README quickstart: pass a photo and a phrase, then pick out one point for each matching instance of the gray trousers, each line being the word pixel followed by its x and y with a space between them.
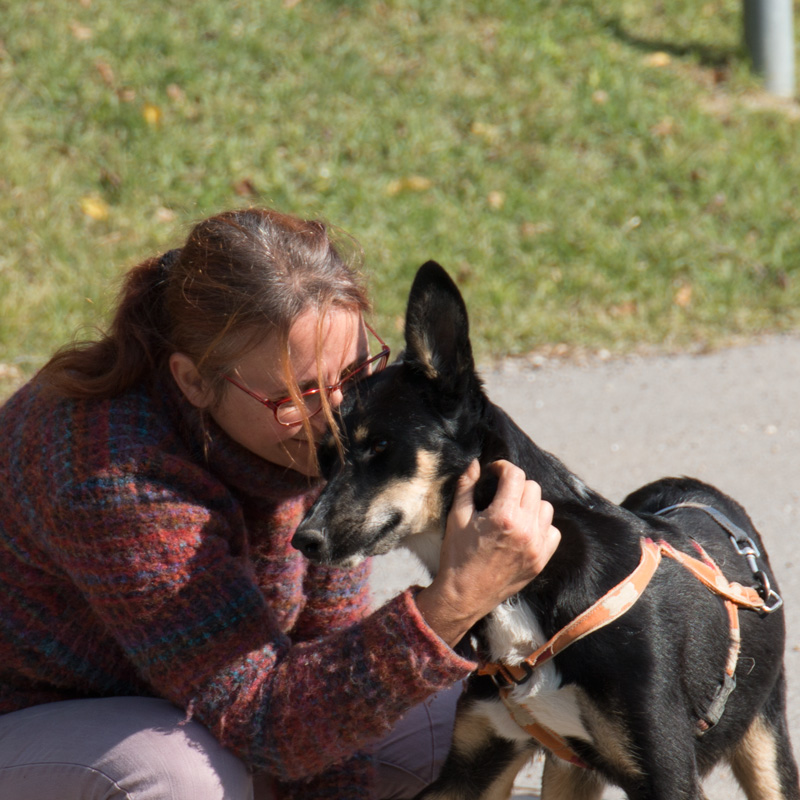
pixel 136 748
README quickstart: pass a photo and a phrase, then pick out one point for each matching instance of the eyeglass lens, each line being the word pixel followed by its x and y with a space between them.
pixel 289 413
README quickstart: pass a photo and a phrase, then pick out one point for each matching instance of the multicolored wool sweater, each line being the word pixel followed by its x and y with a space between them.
pixel 132 563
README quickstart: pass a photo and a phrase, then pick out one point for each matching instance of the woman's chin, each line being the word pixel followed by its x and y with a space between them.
pixel 296 454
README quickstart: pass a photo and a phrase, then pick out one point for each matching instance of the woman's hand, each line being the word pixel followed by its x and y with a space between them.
pixel 488 556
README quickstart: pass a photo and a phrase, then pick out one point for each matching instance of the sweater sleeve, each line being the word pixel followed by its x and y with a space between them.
pixel 321 617
pixel 164 576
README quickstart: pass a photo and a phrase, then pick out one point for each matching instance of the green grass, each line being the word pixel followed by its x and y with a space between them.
pixel 604 175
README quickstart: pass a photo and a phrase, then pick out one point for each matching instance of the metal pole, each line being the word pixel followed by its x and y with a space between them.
pixel 769 36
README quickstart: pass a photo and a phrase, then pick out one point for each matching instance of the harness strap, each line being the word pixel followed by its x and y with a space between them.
pixel 609 607
pixel 707 572
pixel 744 546
pixel 548 738
pixel 614 604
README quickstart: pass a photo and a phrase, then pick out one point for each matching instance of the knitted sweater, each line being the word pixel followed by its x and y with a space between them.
pixel 135 562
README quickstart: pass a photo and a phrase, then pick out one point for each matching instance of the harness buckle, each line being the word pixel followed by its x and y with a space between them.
pixel 768 594
pixel 508 679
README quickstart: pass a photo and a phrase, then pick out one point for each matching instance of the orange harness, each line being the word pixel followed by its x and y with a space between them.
pixel 619 601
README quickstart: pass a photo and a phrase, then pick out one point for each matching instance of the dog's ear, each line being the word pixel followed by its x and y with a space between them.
pixel 437 330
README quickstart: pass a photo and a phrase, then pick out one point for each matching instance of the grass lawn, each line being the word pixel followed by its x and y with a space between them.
pixel 595 174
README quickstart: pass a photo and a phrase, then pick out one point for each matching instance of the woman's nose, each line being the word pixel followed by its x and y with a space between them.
pixel 319 422
pixel 336 397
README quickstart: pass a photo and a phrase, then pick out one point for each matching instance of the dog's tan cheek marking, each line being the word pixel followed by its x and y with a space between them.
pixel 609 736
pixel 754 763
pixel 418 497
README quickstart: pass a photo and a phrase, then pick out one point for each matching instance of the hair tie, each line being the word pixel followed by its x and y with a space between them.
pixel 167 261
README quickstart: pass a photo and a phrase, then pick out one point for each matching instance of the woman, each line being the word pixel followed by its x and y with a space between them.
pixel 159 637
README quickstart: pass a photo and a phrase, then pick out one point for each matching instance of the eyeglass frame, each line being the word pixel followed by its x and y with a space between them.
pixel 274 405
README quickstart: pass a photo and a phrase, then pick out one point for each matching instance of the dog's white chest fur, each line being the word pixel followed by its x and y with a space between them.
pixel 513 633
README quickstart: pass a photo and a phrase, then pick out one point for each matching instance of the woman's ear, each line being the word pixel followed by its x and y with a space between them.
pixel 191 382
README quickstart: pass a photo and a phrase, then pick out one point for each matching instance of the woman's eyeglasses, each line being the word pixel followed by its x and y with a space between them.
pixel 288 412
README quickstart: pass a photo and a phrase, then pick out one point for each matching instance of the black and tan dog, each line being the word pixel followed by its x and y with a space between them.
pixel 652 698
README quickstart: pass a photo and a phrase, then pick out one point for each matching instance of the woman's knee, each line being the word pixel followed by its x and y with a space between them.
pixel 412 756
pixel 127 747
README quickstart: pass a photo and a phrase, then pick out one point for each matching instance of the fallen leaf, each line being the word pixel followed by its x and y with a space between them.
pixel 683 297
pixel 174 92
pixel 622 310
pixel 165 214
pixel 80 32
pixel 417 183
pixel 10 372
pixel 496 200
pixel 112 238
pixel 531 229
pixel 106 73
pixel 244 187
pixel 413 183
pixel 491 133
pixel 631 224
pixel 152 114
pixel 664 128
pixel 94 207
pixel 658 59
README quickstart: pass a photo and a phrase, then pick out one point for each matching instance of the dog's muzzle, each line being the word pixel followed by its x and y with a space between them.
pixel 312 543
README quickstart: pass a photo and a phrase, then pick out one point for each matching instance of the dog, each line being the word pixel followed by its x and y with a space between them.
pixel 648 700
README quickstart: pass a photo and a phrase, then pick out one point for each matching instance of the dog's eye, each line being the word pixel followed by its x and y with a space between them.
pixel 379 446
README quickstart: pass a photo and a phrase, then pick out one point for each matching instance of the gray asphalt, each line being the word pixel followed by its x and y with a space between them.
pixel 731 418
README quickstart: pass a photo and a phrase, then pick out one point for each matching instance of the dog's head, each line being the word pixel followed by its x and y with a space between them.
pixel 408 433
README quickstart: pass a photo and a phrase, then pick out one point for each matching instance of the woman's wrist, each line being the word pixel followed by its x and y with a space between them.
pixel 444 616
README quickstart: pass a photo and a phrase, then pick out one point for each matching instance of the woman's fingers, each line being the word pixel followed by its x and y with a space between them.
pixel 463 501
pixel 488 555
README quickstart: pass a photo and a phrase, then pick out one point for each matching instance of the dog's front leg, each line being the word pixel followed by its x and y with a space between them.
pixel 563 781
pixel 483 761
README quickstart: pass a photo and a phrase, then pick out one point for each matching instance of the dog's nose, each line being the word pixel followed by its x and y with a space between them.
pixel 310 542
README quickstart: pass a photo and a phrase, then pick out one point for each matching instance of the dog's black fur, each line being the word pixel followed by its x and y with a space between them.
pixel 634 689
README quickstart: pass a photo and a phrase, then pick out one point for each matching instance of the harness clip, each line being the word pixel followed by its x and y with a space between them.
pixel 768 593
pixel 745 546
pixel 508 679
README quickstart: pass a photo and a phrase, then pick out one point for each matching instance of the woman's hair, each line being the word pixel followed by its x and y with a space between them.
pixel 241 276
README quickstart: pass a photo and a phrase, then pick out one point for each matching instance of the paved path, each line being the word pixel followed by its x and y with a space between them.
pixel 731 418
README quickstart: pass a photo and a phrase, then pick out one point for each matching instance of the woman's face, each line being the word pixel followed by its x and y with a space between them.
pixel 252 424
